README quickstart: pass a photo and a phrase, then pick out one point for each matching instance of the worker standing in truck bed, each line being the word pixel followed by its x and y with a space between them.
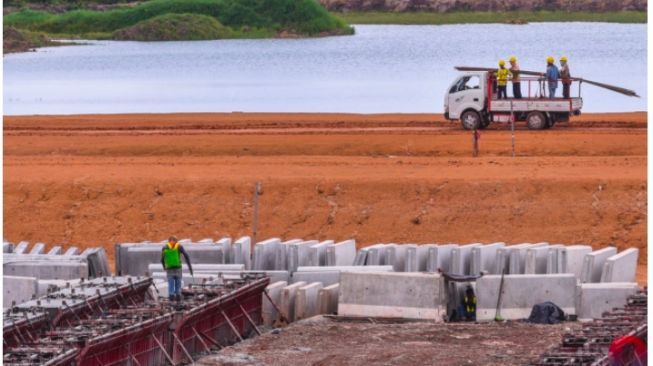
pixel 552 76
pixel 502 79
pixel 516 81
pixel 565 76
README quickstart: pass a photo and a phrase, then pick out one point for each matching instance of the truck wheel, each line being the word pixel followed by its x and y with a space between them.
pixel 536 121
pixel 470 120
pixel 484 123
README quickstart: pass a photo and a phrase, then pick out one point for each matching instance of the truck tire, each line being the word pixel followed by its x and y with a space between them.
pixel 536 121
pixel 484 123
pixel 470 120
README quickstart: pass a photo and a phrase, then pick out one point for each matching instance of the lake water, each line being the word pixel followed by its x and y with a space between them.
pixel 381 69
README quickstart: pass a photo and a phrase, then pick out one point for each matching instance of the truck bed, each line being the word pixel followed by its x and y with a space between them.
pixel 536 104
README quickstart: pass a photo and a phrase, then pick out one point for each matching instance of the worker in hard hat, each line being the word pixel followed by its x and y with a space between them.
pixel 552 76
pixel 565 76
pixel 516 81
pixel 502 79
pixel 171 261
pixel 469 304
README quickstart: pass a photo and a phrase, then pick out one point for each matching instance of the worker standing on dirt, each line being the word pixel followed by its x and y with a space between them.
pixel 469 304
pixel 171 261
pixel 516 81
pixel 552 76
pixel 565 76
pixel 502 79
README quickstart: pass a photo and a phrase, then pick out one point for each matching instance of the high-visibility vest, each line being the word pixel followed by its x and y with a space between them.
pixel 502 77
pixel 470 304
pixel 171 256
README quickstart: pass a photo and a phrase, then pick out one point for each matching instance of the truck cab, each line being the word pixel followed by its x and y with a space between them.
pixel 472 100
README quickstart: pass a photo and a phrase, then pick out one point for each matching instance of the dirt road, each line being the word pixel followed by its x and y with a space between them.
pixel 98 180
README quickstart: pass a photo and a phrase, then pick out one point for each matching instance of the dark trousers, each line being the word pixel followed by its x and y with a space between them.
pixel 565 90
pixel 502 91
pixel 516 90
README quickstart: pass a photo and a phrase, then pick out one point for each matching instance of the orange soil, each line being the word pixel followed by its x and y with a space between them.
pixel 103 179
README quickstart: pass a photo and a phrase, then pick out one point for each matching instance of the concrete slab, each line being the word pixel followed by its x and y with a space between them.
pixel 483 258
pixel 317 253
pixel 597 298
pixel 285 259
pixel 287 303
pixel 536 260
pixel 621 267
pixel 56 250
pixel 414 295
pixel 269 312
pixel 18 289
pixel 593 264
pixel 243 254
pixel 306 302
pixel 461 259
pixel 38 248
pixel 299 254
pixel 522 292
pixel 575 257
pixel 341 254
pixel 134 259
pixel 265 254
pixel 346 269
pixel 325 277
pixel 327 299
pixel 50 270
pixel 227 250
pixel 199 267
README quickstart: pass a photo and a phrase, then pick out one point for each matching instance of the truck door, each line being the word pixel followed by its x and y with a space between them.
pixel 464 94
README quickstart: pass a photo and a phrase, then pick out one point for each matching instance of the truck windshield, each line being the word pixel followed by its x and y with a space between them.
pixel 465 83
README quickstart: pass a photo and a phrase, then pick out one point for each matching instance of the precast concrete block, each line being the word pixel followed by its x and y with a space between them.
pixel 98 263
pixel 361 257
pixel 325 277
pixel 575 258
pixel 483 258
pixel 199 267
pixel 18 289
pixel 243 255
pixel 341 254
pixel 536 260
pixel 21 248
pixel 593 264
pixel 597 298
pixel 423 256
pixel 287 303
pixel 556 259
pixel 517 258
pixel 135 258
pixel 7 247
pixel 71 251
pixel 317 253
pixel 395 295
pixel 346 269
pixel 327 299
pixel 227 251
pixel 521 292
pixel 461 259
pixel 395 256
pixel 38 248
pixel 56 250
pixel 257 259
pixel 375 255
pixel 285 258
pixel 267 254
pixel 300 253
pixel 306 301
pixel 269 311
pixel 621 267
pixel 65 269
pixel 439 257
pixel 410 260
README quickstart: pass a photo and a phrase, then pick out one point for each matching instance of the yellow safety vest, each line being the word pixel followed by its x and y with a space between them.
pixel 502 76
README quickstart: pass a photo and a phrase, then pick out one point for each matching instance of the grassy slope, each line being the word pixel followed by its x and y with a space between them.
pixel 305 17
pixel 490 17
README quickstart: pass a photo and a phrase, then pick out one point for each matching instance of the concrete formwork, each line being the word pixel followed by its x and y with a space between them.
pixel 327 299
pixel 317 253
pixel 575 257
pixel 18 289
pixel 269 312
pixel 341 254
pixel 484 258
pixel 522 292
pixel 287 302
pixel 593 264
pixel 413 295
pixel 596 298
pixel 621 267
pixel 306 301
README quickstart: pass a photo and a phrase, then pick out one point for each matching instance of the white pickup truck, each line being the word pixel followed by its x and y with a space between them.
pixel 472 100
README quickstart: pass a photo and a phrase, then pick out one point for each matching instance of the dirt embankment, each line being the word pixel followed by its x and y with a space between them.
pixel 443 6
pixel 99 180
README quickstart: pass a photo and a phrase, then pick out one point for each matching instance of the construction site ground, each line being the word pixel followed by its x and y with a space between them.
pixel 103 179
pixel 322 341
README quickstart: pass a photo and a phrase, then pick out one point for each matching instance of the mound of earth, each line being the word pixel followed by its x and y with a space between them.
pixel 17 40
pixel 174 27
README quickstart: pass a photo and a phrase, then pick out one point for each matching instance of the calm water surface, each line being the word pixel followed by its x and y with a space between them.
pixel 381 69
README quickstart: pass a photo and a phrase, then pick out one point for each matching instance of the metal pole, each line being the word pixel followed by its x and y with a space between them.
pixel 512 126
pixel 475 143
pixel 257 191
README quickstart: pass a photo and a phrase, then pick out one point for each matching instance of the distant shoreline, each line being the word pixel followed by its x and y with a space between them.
pixel 481 17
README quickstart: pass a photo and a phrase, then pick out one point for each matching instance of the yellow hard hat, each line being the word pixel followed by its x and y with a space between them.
pixel 513 59
pixel 501 62
pixel 549 60
pixel 563 58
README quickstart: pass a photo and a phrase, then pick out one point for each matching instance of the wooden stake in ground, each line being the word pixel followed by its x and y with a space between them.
pixel 476 135
pixel 257 191
pixel 512 127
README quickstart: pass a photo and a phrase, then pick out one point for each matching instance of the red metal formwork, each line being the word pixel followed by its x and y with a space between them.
pixel 219 322
pixel 138 345
pixel 23 330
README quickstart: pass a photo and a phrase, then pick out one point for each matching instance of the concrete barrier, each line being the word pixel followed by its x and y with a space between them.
pixel 7 247
pixel 346 269
pixel 575 257
pixel 597 298
pixel 417 258
pixel 306 302
pixel 536 260
pixel 48 270
pixel 242 251
pixel 439 257
pixel 18 289
pixel 621 267
pixel 522 292
pixel 38 248
pixel 341 254
pixel 56 250
pixel 299 254
pixel 200 267
pixel 269 312
pixel 317 253
pixel 327 299
pixel 287 303
pixel 400 295
pixel 517 262
pixel 265 254
pixel 375 255
pixel 395 255
pixel 21 248
pixel 461 259
pixel 134 259
pixel 483 258
pixel 593 264
pixel 71 251
pixel 325 277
